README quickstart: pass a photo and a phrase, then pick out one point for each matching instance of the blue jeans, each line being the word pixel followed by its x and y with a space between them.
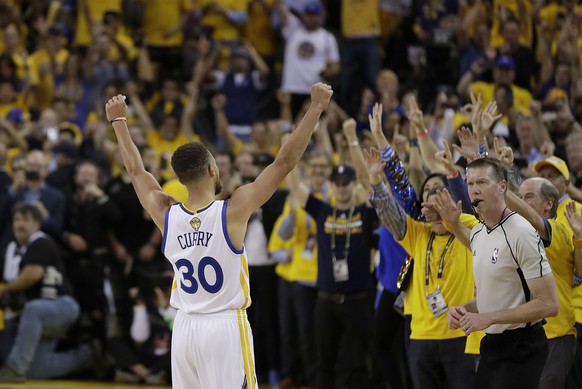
pixel 35 337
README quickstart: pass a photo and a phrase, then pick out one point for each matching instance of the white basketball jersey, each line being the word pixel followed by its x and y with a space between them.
pixel 211 275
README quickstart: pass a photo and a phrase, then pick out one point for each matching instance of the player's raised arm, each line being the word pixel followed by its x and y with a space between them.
pixel 150 194
pixel 248 198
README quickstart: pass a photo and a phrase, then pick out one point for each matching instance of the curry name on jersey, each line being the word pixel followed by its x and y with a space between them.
pixel 211 275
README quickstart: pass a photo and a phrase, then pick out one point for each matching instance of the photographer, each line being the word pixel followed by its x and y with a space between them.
pixel 34 275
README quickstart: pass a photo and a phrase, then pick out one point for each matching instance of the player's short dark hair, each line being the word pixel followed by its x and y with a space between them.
pixel 27 208
pixel 190 161
pixel 499 170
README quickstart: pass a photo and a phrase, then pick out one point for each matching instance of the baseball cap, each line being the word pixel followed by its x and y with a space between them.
pixel 505 61
pixel 313 7
pixel 343 173
pixel 16 116
pixel 555 162
pixel 263 159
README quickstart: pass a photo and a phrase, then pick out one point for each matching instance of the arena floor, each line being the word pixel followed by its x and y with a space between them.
pixel 74 385
pixel 79 385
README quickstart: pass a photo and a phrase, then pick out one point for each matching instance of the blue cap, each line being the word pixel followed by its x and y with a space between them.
pixel 505 61
pixel 312 8
pixel 15 116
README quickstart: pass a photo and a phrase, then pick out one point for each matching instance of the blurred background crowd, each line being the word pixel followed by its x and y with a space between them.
pixel 236 75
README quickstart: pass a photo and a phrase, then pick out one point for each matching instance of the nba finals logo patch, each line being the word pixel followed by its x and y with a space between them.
pixel 195 223
pixel 495 255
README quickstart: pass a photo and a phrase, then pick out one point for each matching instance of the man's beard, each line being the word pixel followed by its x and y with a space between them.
pixel 218 188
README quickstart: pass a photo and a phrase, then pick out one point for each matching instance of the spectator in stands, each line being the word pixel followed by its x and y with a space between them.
pixel 503 75
pixel 241 86
pixel 311 52
pixel 526 65
pixel 66 154
pixel 360 59
pixel 31 186
pixel 89 214
pixel 163 23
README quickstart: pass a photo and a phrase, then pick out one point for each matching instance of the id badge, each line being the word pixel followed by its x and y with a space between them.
pixel 340 270
pixel 437 303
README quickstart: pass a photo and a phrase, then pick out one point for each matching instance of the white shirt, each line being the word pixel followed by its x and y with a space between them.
pixel 306 55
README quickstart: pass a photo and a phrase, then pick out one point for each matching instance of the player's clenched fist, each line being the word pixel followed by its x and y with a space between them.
pixel 116 107
pixel 320 95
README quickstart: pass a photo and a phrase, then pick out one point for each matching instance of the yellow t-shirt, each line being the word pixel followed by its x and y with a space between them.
pixel 561 257
pixel 224 29
pixel 303 264
pixel 162 146
pixel 276 243
pixel 97 9
pixel 259 31
pixel 525 35
pixel 161 16
pixel 175 189
pixel 521 97
pixel 576 291
pixel 360 18
pixel 457 284
pixel 40 62
pixel 127 43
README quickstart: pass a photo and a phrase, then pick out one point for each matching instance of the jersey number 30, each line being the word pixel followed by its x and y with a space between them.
pixel 191 284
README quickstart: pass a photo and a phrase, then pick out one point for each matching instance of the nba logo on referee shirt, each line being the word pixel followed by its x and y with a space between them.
pixel 495 255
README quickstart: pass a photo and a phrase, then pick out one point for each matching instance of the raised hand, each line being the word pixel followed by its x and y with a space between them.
pixel 446 207
pixel 374 164
pixel 399 141
pixel 547 148
pixel 375 120
pixel 475 111
pixel 320 95
pixel 349 130
pixel 415 115
pixel 116 107
pixel 469 145
pixel 504 153
pixel 574 218
pixel 445 158
pixel 489 115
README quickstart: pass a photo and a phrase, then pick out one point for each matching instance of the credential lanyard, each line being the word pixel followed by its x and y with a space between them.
pixel 441 262
pixel 348 234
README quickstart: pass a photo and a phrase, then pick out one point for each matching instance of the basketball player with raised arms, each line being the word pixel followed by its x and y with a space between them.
pixel 203 239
